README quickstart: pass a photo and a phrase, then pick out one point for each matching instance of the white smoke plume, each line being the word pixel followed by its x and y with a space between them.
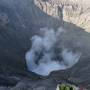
pixel 44 57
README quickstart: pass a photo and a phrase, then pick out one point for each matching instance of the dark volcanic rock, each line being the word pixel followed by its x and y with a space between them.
pixel 19 20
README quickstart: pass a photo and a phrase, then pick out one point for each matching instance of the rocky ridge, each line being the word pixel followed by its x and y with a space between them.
pixel 74 11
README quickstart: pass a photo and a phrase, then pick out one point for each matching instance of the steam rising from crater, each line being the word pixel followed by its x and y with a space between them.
pixel 46 54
